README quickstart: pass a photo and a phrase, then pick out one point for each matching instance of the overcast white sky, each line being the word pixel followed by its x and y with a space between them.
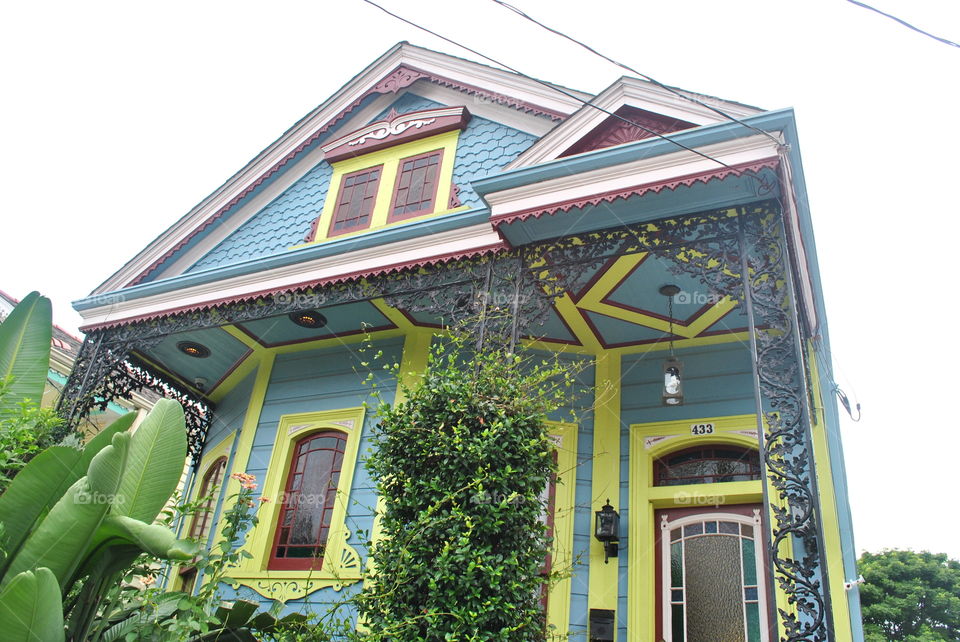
pixel 117 117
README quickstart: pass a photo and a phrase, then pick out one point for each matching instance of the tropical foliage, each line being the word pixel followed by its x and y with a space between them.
pixel 910 596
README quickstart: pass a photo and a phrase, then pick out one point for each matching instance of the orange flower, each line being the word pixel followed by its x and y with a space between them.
pixel 264 500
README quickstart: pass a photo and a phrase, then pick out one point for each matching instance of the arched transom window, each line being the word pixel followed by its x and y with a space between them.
pixel 707 465
pixel 308 501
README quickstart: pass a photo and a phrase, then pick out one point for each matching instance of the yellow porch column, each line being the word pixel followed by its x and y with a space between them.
pixel 604 578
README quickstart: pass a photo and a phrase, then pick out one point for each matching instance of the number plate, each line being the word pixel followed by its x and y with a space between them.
pixel 701 429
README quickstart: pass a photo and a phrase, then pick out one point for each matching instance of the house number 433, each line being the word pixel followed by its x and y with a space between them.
pixel 701 429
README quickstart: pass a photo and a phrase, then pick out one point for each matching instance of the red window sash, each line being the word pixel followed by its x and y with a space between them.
pixel 367 201
pixel 427 205
pixel 302 450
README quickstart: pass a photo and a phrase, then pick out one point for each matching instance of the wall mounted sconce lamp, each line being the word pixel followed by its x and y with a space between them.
pixel 608 531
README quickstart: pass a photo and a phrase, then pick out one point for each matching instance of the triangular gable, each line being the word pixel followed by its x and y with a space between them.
pixel 655 108
pixel 485 146
pixel 629 124
pixel 526 104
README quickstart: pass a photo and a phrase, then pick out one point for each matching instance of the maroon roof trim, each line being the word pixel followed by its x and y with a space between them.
pixel 352 276
pixel 638 190
pixel 400 78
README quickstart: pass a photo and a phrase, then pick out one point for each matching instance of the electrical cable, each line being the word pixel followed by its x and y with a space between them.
pixel 634 71
pixel 585 103
pixel 904 23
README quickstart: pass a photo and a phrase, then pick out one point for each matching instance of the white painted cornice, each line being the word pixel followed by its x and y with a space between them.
pixel 457 241
pixel 626 175
pixel 630 92
pixel 489 79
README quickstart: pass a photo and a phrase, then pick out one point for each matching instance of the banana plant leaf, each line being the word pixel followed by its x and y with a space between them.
pixel 158 451
pixel 25 352
pixel 43 482
pixel 30 609
pixel 63 537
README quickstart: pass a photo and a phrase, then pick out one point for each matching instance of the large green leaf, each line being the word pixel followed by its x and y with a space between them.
pixel 158 452
pixel 25 351
pixel 63 537
pixel 43 482
pixel 30 608
pixel 151 538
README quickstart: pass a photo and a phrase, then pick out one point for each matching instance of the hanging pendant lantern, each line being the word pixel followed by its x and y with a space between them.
pixel 672 394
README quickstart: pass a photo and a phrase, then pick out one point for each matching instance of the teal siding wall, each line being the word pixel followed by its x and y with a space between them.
pixel 315 380
pixel 717 382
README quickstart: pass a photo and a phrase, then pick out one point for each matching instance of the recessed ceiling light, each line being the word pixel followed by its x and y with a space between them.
pixel 193 349
pixel 308 319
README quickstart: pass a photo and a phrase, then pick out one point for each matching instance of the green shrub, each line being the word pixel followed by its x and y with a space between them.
pixel 461 466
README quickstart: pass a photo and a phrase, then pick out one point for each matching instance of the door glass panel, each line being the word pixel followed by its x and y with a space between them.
pixel 714 588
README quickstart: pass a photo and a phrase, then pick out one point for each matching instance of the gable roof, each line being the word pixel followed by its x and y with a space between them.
pixel 636 94
pixel 401 66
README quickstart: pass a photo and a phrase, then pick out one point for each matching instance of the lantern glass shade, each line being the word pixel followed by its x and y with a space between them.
pixel 608 524
pixel 309 319
pixel 672 382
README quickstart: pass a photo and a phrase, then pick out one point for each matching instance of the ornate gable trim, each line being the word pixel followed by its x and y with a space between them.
pixel 400 78
pixel 614 131
pixel 394 130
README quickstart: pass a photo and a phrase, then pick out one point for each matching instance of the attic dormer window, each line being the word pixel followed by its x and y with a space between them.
pixel 391 171
pixel 358 195
pixel 416 188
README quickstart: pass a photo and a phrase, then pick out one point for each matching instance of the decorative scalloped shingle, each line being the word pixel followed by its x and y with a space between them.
pixel 484 148
pixel 406 104
pixel 281 224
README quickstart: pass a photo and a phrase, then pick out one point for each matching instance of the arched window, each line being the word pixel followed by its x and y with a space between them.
pixel 203 518
pixel 707 465
pixel 308 501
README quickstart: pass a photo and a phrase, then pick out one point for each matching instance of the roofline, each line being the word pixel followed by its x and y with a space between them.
pixel 323 116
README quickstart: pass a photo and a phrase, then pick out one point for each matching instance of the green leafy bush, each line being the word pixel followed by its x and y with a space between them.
pixel 461 466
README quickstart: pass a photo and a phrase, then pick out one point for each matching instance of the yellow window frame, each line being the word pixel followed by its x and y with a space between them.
pixel 341 562
pixel 390 159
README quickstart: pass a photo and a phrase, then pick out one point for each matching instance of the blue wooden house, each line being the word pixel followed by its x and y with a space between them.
pixel 661 239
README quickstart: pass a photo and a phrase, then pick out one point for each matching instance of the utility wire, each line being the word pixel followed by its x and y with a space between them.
pixel 904 23
pixel 546 84
pixel 638 73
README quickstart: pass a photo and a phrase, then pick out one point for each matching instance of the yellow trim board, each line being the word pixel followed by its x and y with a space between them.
pixel 390 159
pixel 648 442
pixel 341 562
pixel 564 508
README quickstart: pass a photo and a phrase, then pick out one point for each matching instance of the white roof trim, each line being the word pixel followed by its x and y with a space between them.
pixel 634 93
pixel 627 175
pixel 463 240
pixel 495 81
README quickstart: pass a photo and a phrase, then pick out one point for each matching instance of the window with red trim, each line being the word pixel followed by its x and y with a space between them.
pixel 203 518
pixel 415 191
pixel 707 465
pixel 355 200
pixel 307 507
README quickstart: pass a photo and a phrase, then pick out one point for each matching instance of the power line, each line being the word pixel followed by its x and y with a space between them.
pixel 634 71
pixel 904 23
pixel 585 103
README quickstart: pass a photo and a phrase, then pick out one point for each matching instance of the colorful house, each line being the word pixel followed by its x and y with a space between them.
pixel 659 237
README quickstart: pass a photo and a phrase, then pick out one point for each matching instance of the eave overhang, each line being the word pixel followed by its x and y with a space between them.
pixel 446 238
